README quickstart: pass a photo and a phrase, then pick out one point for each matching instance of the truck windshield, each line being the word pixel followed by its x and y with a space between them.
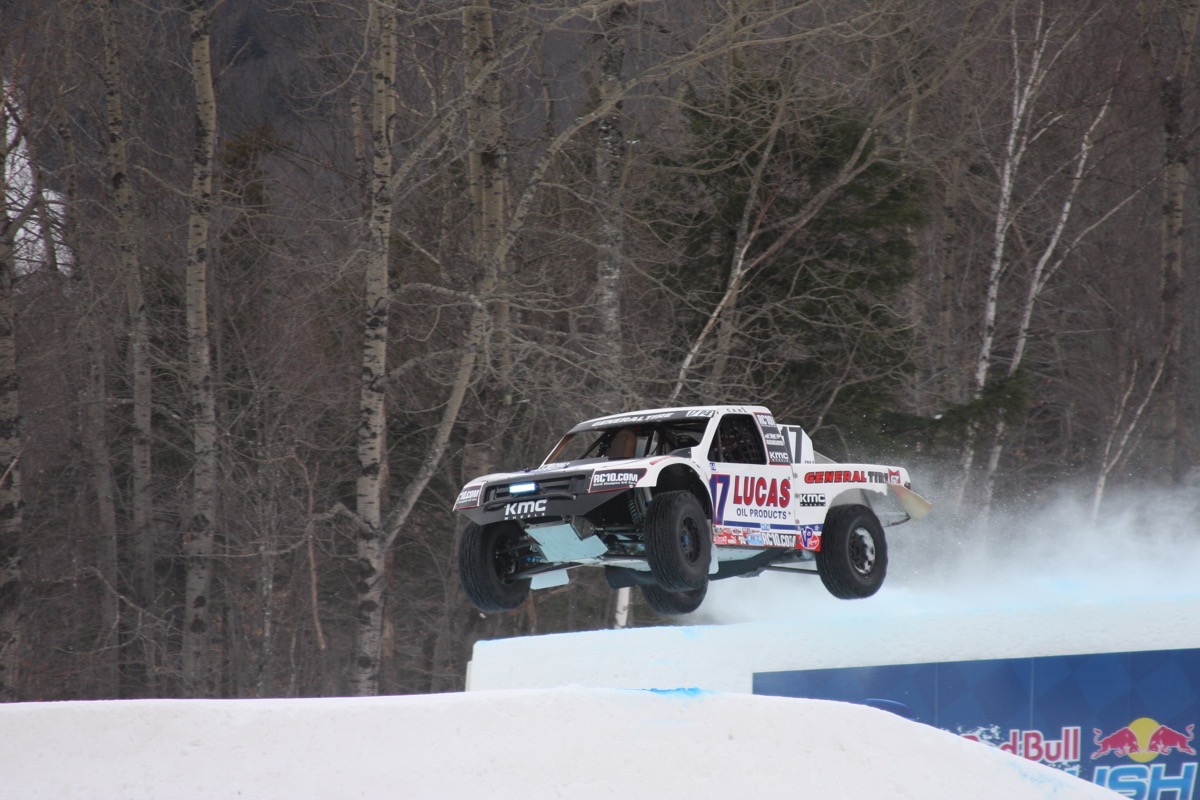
pixel 628 441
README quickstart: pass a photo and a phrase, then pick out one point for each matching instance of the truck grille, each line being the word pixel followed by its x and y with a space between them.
pixel 546 485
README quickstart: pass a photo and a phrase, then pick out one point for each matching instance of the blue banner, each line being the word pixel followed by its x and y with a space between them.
pixel 1123 720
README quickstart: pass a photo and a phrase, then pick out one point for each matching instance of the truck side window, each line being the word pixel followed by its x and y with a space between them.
pixel 737 441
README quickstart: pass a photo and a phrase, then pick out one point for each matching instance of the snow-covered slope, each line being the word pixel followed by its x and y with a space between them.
pixel 569 743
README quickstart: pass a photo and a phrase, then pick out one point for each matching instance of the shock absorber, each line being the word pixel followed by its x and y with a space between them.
pixel 637 507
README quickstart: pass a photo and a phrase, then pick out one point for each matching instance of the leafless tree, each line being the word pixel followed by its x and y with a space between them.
pixel 199 538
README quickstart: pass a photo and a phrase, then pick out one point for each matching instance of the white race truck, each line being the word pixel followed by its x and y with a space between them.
pixel 669 499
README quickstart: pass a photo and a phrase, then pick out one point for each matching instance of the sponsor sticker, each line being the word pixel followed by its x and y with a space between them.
pixel 609 480
pixel 468 497
pixel 807 537
pixel 853 476
pixel 524 508
pixel 759 491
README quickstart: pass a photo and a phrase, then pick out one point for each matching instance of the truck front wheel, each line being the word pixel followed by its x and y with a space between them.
pixel 489 557
pixel 678 541
pixel 852 560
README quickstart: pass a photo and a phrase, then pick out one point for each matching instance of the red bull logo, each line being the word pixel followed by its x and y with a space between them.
pixel 1035 745
pixel 1143 741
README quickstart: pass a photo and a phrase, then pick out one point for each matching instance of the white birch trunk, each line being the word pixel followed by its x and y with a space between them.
pixel 1043 270
pixel 621 609
pixel 371 547
pixel 199 535
pixel 1124 426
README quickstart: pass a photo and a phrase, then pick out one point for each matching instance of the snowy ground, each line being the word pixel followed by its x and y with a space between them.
pixel 1021 589
pixel 569 743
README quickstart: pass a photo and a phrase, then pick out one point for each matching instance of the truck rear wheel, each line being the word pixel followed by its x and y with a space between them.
pixel 678 541
pixel 671 604
pixel 489 557
pixel 852 561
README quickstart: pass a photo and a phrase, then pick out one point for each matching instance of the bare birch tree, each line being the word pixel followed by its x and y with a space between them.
pixel 199 536
pixel 371 541
pixel 1033 58
pixel 1127 418
pixel 1046 263
pixel 611 163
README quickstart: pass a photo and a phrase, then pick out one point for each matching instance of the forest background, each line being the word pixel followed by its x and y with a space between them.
pixel 277 276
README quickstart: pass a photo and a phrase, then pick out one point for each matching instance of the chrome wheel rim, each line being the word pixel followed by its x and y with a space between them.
pixel 862 551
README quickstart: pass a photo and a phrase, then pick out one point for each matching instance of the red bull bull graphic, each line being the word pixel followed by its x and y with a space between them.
pixel 1070 712
pixel 1164 740
pixel 1142 741
pixel 1121 742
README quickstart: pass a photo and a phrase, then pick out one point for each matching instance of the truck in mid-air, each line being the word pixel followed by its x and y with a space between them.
pixel 670 499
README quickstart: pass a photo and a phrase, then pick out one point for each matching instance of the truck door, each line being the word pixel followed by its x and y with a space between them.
pixel 751 495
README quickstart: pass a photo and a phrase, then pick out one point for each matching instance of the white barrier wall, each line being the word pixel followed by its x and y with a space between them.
pixel 830 634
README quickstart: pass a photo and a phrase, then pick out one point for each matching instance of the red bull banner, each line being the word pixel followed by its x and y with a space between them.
pixel 1126 721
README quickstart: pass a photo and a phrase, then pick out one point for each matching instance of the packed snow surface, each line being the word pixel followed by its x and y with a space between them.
pixel 553 716
pixel 570 743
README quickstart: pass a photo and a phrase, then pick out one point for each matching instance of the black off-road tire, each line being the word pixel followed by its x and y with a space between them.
pixel 678 542
pixel 672 604
pixel 852 561
pixel 488 557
